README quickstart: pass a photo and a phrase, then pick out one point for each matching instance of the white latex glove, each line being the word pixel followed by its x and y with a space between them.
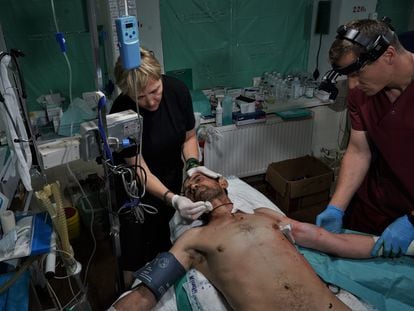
pixel 203 170
pixel 189 209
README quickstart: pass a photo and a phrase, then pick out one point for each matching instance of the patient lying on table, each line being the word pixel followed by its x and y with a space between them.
pixel 246 257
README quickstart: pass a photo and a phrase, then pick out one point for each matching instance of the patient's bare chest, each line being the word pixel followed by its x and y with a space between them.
pixel 242 232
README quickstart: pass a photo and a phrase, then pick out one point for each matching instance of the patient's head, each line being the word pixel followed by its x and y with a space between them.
pixel 200 187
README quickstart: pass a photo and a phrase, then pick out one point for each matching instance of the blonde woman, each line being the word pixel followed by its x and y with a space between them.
pixel 168 136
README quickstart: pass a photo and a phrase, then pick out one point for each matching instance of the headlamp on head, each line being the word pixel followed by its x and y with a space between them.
pixel 360 62
pixel 328 84
pixel 373 48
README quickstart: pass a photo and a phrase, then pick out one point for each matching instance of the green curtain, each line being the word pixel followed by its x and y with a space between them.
pixel 29 26
pixel 226 43
pixel 399 11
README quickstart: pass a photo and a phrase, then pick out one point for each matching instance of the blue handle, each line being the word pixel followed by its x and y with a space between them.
pixel 61 40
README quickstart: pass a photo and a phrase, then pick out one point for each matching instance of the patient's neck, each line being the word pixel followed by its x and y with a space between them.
pixel 221 206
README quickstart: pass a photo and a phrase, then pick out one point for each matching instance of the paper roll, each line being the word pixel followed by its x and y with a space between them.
pixel 7 221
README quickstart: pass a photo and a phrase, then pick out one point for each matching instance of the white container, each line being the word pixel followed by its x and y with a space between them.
pixel 296 91
pixel 244 107
pixel 219 115
pixel 309 91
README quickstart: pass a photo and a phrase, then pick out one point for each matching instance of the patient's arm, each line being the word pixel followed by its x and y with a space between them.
pixel 311 236
pixel 342 245
pixel 144 297
pixel 140 299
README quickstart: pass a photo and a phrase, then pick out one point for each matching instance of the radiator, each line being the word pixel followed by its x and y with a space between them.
pixel 247 150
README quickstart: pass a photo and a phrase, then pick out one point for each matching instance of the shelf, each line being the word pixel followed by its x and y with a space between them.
pixel 301 102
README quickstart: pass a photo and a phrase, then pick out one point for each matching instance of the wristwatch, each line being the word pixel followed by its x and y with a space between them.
pixel 410 216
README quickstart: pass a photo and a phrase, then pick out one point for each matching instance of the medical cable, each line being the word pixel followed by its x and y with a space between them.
pixel 70 302
pixel 101 128
pixel 2 100
pixel 135 179
pixel 126 7
pixel 91 222
pixel 62 43
pixel 139 146
pixel 18 139
pixel 131 187
pixel 138 209
pixel 215 207
pixel 53 296
pixel 61 40
pixel 316 72
pixel 129 178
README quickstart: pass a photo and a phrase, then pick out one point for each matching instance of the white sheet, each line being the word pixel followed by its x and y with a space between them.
pixel 204 297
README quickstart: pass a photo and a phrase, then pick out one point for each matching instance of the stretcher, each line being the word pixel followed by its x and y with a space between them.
pixel 368 284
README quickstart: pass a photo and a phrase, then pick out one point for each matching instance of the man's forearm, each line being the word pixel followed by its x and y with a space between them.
pixel 353 170
pixel 341 245
pixel 139 299
pixel 190 146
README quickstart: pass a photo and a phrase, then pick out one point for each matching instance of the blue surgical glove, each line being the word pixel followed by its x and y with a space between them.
pixel 395 239
pixel 331 219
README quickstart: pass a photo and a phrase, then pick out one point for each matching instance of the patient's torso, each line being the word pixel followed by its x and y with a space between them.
pixel 256 268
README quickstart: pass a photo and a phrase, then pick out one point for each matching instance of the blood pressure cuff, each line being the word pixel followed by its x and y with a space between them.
pixel 159 274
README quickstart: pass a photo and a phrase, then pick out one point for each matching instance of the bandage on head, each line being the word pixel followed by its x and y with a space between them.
pixel 159 274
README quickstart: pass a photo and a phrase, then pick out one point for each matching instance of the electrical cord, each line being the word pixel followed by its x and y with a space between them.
pixel 91 222
pixel 54 296
pixel 130 182
pixel 2 100
pixel 134 178
pixel 17 81
pixel 133 186
pixel 316 72
pixel 101 127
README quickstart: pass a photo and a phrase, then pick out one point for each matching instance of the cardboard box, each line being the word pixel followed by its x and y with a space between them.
pixel 299 184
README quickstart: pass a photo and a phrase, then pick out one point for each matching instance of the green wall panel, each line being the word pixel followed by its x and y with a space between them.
pixel 398 10
pixel 28 25
pixel 229 42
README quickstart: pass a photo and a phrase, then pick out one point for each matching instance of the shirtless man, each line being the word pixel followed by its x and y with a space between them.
pixel 247 258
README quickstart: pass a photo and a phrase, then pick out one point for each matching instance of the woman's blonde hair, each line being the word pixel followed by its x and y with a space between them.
pixel 135 80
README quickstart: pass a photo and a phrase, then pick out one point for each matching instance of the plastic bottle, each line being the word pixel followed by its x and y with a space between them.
pixel 227 107
pixel 213 103
pixel 296 88
pixel 219 115
pixel 283 89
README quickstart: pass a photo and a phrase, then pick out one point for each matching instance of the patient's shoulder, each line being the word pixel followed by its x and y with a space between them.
pixel 269 213
pixel 265 210
pixel 190 235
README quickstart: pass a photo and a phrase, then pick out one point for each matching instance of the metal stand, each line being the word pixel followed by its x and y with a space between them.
pixel 114 223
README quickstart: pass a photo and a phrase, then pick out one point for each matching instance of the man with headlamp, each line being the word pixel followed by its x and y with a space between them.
pixel 375 188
